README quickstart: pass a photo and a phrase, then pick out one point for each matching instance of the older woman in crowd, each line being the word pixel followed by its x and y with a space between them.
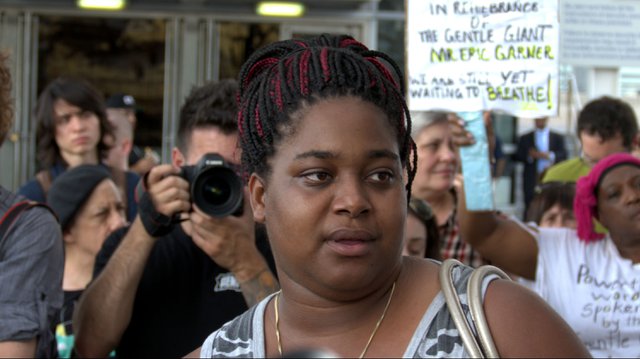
pixel 438 164
pixel 89 207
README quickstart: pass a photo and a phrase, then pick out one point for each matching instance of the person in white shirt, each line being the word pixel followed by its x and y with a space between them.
pixel 592 280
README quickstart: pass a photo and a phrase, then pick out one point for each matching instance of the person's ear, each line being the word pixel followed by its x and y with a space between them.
pixel 257 197
pixel 177 158
pixel 67 237
pixel 109 140
pixel 126 146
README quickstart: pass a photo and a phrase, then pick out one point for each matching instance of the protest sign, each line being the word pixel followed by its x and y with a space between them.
pixel 600 33
pixel 483 55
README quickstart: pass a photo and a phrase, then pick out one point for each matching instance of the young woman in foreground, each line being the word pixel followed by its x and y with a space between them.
pixel 325 138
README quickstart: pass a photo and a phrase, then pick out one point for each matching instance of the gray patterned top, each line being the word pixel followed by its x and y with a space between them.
pixel 31 268
pixel 435 336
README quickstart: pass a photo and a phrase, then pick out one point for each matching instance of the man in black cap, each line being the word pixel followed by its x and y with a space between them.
pixel 124 103
pixel 120 108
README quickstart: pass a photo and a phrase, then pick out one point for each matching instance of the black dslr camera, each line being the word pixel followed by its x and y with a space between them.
pixel 216 189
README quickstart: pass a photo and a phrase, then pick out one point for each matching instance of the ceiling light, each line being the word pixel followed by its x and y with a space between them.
pixel 102 4
pixel 288 9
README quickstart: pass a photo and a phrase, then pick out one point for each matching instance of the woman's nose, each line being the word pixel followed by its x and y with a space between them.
pixel 447 153
pixel 350 198
pixel 631 195
pixel 116 220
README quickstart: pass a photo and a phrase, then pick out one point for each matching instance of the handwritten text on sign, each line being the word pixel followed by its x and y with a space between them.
pixel 612 309
pixel 483 55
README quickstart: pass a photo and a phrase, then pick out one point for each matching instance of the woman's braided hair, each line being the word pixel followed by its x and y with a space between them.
pixel 281 78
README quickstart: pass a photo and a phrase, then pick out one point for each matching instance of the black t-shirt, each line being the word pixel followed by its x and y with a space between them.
pixel 63 328
pixel 183 296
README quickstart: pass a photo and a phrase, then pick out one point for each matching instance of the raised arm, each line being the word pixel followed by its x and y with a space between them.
pixel 105 308
pixel 503 241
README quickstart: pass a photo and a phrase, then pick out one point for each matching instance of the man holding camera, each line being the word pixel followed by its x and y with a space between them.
pixel 177 274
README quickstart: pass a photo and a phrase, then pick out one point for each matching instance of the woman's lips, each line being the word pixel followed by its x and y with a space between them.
pixel 81 140
pixel 444 172
pixel 350 243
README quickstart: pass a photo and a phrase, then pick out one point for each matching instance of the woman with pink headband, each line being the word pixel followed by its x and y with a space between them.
pixel 591 280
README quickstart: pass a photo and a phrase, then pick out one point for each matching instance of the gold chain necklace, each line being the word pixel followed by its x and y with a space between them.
pixel 373 333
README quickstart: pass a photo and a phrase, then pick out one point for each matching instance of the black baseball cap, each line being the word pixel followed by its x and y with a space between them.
pixel 121 100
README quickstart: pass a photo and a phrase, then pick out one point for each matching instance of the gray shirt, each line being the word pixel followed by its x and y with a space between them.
pixel 31 268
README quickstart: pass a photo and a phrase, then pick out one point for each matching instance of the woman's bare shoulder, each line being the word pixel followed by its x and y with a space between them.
pixel 524 325
pixel 421 269
pixel 420 277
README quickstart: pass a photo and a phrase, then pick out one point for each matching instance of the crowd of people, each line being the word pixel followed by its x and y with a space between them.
pixel 347 207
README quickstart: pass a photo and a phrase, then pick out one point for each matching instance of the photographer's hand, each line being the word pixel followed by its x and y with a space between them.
pixel 165 195
pixel 169 192
pixel 230 242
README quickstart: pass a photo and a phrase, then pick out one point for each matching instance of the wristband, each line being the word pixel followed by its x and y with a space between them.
pixel 155 223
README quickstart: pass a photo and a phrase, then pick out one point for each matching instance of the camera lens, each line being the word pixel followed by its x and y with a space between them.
pixel 215 191
pixel 218 191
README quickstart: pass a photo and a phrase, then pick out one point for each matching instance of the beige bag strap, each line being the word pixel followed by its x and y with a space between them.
pixel 474 296
pixel 484 346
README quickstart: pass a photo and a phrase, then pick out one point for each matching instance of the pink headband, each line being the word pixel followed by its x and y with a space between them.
pixel 585 201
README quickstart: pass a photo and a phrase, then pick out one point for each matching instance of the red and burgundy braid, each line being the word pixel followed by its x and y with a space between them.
pixel 278 79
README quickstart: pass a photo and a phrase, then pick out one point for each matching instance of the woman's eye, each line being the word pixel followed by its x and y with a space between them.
pixel 382 176
pixel 613 194
pixel 102 212
pixel 432 147
pixel 317 177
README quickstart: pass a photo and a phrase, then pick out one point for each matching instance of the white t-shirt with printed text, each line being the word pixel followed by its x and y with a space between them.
pixel 593 288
